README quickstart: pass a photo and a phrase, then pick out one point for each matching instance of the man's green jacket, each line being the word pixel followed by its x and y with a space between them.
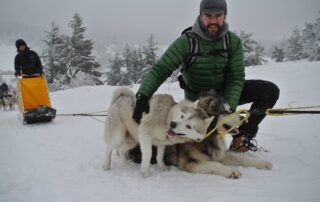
pixel 226 76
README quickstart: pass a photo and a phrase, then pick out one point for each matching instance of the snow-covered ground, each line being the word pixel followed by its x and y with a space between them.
pixel 62 160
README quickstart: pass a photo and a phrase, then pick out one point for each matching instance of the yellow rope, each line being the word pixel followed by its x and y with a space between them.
pixel 269 113
pixel 230 116
pixel 290 108
pixel 246 119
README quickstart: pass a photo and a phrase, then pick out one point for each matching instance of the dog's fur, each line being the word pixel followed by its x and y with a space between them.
pixel 211 155
pixel 167 123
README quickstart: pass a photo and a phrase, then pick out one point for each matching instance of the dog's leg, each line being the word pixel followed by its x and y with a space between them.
pixel 112 143
pixel 146 151
pixel 123 155
pixel 237 160
pixel 107 161
pixel 210 167
pixel 11 104
pixel 160 156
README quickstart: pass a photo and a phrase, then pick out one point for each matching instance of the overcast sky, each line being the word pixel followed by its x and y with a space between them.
pixel 135 20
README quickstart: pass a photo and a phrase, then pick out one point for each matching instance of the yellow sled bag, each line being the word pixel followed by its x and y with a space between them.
pixel 34 102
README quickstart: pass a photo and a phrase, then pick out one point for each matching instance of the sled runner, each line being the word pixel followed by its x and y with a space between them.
pixel 33 100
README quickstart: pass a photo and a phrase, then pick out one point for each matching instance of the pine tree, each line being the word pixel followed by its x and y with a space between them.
pixel 308 37
pixel 278 54
pixel 295 49
pixel 115 76
pixel 149 54
pixel 133 62
pixel 149 51
pixel 253 51
pixel 132 65
pixel 54 54
pixel 315 48
pixel 80 52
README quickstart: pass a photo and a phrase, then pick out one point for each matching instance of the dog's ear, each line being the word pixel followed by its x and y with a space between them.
pixel 205 102
pixel 195 104
pixel 202 113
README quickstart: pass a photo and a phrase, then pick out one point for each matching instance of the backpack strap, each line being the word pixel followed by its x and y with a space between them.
pixel 193 50
pixel 226 46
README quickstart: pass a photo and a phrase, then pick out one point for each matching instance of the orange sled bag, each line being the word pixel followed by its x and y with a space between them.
pixel 34 102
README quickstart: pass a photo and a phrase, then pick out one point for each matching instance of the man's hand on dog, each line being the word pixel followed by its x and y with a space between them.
pixel 141 105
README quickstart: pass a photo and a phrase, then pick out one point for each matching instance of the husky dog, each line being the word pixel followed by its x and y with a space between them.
pixel 211 155
pixel 167 123
pixel 7 101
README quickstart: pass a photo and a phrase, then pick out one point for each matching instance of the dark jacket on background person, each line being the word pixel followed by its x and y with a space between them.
pixel 4 89
pixel 27 62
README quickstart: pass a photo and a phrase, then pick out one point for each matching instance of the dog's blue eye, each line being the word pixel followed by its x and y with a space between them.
pixel 189 127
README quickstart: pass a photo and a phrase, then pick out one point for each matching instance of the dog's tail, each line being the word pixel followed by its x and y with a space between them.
pixel 121 91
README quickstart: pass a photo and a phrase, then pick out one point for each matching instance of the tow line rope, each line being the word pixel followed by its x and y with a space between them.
pixel 86 114
pixel 292 111
pixel 91 115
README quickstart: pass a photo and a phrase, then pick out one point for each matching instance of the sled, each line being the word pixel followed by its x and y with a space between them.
pixel 33 100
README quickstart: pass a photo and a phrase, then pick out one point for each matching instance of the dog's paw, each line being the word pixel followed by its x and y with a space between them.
pixel 145 172
pixel 264 165
pixel 164 167
pixel 235 174
pixel 106 167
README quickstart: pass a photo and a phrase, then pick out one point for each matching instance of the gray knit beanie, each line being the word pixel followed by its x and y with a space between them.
pixel 213 6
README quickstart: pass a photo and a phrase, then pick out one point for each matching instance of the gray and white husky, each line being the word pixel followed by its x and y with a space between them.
pixel 167 123
pixel 211 155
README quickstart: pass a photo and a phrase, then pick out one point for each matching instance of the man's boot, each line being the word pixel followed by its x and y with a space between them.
pixel 241 143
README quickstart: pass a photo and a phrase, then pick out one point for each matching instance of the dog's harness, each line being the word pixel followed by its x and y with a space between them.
pixel 218 124
pixel 269 112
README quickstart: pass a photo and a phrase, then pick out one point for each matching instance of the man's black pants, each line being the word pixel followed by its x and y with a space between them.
pixel 263 95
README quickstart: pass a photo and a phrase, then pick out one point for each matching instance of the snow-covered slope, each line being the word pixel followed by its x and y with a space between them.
pixel 62 160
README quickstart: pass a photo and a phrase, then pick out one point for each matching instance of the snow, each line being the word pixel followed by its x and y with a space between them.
pixel 62 160
pixel 7 54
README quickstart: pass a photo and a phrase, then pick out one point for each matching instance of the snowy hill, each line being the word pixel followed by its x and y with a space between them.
pixel 62 160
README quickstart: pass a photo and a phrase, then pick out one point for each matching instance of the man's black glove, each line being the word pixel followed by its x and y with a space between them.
pixel 141 105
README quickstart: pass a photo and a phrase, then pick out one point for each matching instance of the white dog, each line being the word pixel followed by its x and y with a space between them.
pixel 167 123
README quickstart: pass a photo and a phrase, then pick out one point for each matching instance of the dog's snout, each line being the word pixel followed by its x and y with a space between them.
pixel 173 124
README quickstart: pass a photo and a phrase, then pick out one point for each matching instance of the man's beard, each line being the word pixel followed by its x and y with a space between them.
pixel 213 29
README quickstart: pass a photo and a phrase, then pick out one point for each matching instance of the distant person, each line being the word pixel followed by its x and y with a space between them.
pixel 218 65
pixel 26 62
pixel 4 89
